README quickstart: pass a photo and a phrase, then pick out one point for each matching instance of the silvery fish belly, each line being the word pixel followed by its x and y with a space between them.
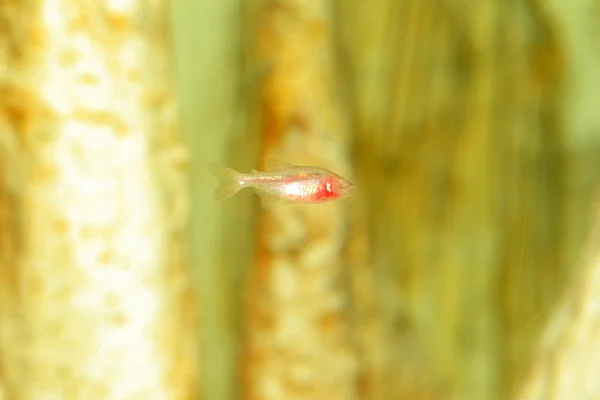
pixel 288 182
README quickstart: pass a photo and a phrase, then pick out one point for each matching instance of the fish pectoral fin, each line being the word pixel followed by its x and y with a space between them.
pixel 253 171
pixel 275 164
pixel 267 200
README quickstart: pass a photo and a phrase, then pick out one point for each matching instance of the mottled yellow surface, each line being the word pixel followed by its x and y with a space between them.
pixel 97 301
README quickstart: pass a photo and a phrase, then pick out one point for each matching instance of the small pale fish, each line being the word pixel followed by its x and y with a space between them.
pixel 283 182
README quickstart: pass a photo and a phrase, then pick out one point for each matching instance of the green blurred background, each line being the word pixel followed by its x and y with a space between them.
pixel 472 132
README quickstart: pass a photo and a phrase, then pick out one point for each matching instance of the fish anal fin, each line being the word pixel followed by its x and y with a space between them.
pixel 267 200
pixel 275 164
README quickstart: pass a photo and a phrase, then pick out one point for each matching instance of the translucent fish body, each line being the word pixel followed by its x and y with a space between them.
pixel 290 183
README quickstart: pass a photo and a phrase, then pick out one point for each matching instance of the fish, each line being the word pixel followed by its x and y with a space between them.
pixel 283 182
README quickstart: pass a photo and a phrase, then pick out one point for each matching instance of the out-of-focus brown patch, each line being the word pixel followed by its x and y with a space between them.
pixel 402 324
pixel 17 107
pixel 188 301
pixel 274 114
pixel 10 241
pixel 19 29
pixel 330 321
pixel 102 117
pixel 37 35
pixel 280 42
pixel 317 29
pixel 181 164
pixel 300 121
pixel 297 387
pixel 262 316
pixel 547 65
pixel 155 97
pixel 119 22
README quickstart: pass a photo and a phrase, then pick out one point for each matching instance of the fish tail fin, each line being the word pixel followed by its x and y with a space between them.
pixel 229 181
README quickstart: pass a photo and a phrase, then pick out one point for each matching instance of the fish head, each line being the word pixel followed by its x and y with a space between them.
pixel 341 187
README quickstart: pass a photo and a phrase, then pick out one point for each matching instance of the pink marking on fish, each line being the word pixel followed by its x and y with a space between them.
pixel 292 183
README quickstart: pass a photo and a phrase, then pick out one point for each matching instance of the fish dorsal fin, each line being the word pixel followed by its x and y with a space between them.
pixel 267 200
pixel 275 164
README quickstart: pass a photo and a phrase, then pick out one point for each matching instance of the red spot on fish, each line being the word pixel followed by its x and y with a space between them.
pixel 327 190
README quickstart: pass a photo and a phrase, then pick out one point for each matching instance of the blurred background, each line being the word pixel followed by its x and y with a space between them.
pixel 470 129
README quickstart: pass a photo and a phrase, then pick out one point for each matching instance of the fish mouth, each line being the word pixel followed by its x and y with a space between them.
pixel 348 187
